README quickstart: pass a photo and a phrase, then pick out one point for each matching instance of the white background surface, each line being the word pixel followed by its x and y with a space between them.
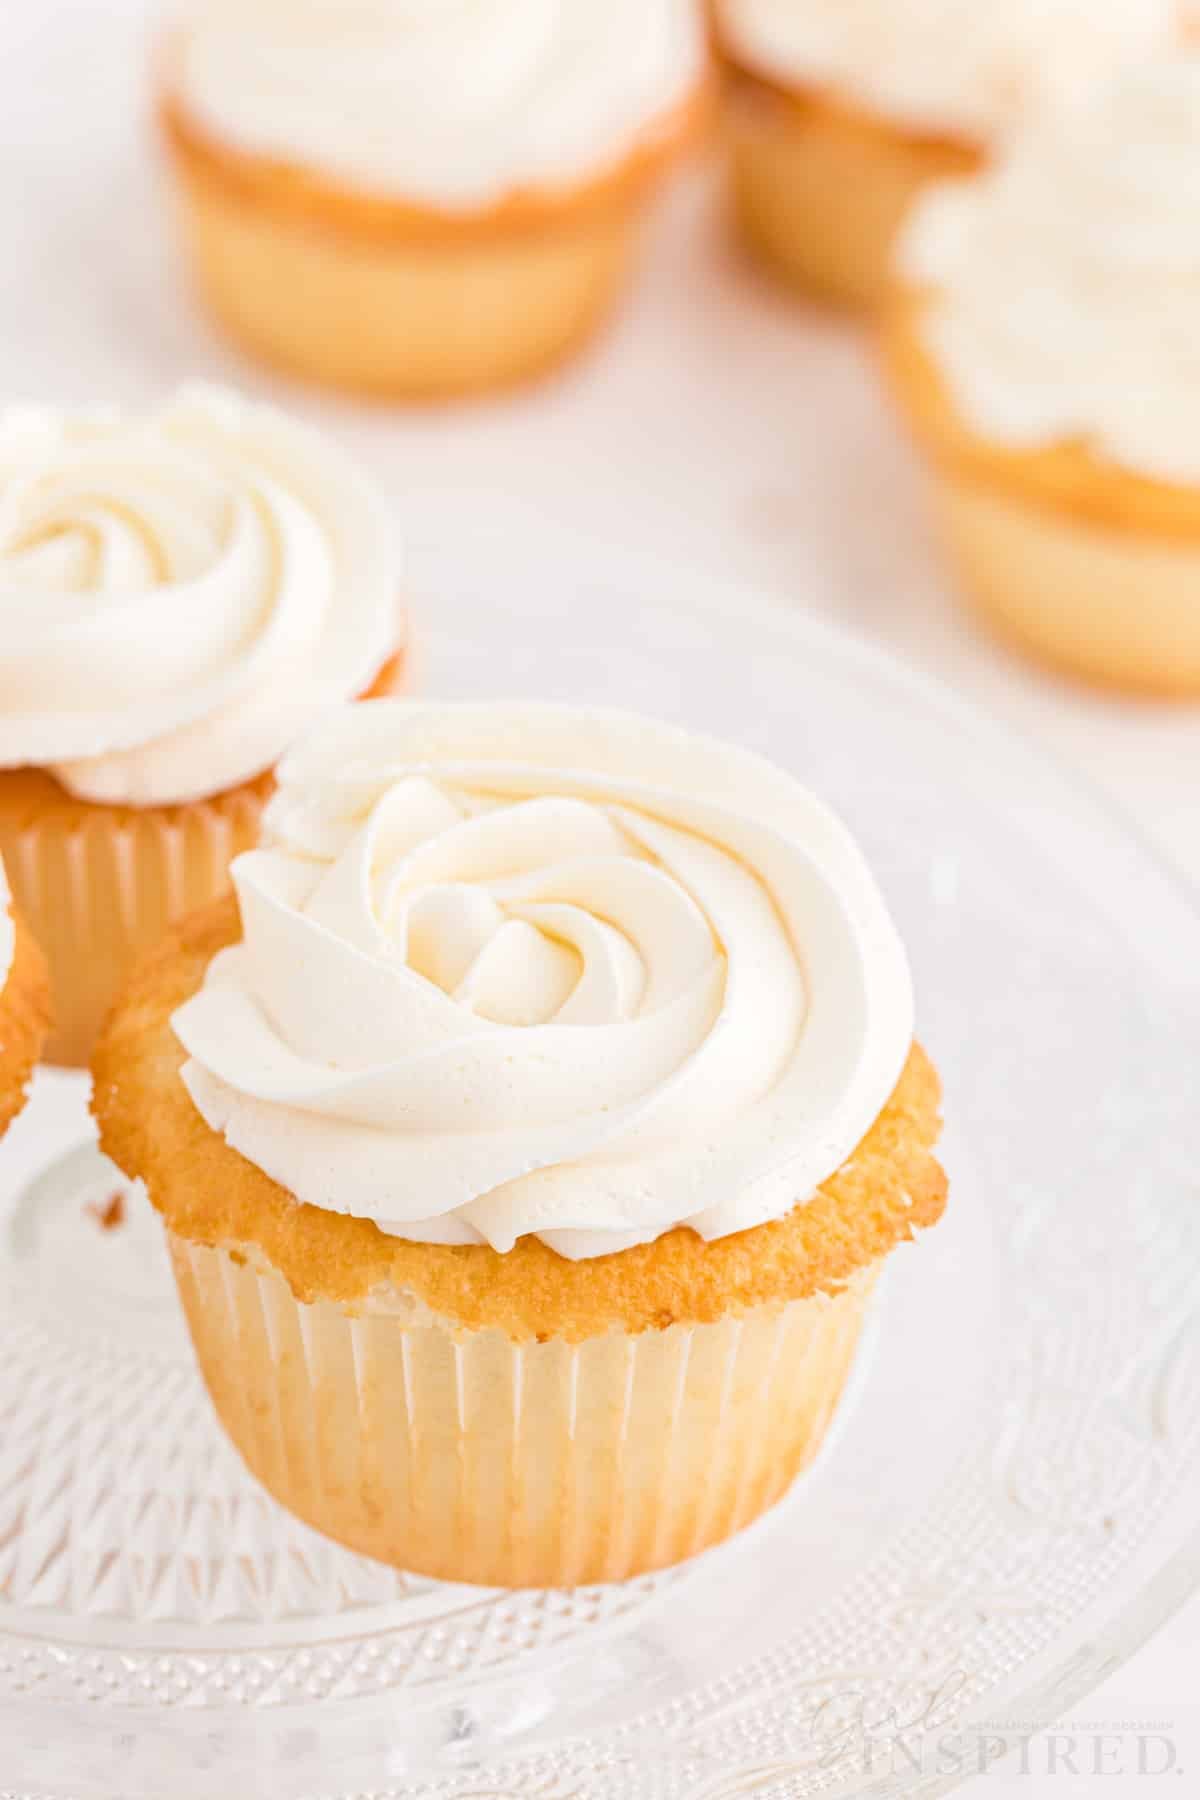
pixel 717 424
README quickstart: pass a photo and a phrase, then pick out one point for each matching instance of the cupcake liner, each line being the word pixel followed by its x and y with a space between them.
pixel 429 318
pixel 1115 607
pixel 469 1457
pixel 98 887
pixel 819 194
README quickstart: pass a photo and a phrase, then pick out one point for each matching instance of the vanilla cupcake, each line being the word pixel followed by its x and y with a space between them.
pixel 24 1008
pixel 187 590
pixel 1043 342
pixel 841 111
pixel 529 1146
pixel 428 198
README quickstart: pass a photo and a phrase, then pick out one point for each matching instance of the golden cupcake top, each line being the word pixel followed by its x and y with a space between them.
pixel 888 1191
pixel 24 1007
pixel 8 932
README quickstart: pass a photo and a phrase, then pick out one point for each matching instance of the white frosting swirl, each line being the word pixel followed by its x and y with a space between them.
pixel 454 103
pixel 181 594
pixel 971 68
pixel 522 969
pixel 1065 284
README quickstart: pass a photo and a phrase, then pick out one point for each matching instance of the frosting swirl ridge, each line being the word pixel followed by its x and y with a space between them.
pixel 181 594
pixel 517 968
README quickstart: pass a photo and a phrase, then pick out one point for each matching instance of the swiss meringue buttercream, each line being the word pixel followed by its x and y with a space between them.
pixel 517 969
pixel 184 593
pixel 453 103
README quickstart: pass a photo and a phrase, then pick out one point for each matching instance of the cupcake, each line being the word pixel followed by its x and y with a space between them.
pixel 186 591
pixel 24 1008
pixel 841 111
pixel 528 1136
pixel 425 199
pixel 1043 343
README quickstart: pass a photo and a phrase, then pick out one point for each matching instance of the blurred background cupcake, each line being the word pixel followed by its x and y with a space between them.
pixel 185 592
pixel 1043 342
pixel 840 111
pixel 425 198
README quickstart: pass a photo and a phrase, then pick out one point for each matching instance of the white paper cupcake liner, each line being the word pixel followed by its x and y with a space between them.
pixel 472 1458
pixel 99 887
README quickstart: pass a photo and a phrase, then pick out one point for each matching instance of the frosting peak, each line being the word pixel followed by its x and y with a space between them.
pixel 972 68
pixel 453 103
pixel 564 971
pixel 1064 285
pixel 181 594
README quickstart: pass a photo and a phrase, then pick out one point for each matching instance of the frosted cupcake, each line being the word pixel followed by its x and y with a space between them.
pixel 186 590
pixel 24 1008
pixel 427 198
pixel 1043 342
pixel 529 1145
pixel 841 111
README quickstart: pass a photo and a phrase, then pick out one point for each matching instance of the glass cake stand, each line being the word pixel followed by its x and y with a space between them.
pixel 1009 1504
